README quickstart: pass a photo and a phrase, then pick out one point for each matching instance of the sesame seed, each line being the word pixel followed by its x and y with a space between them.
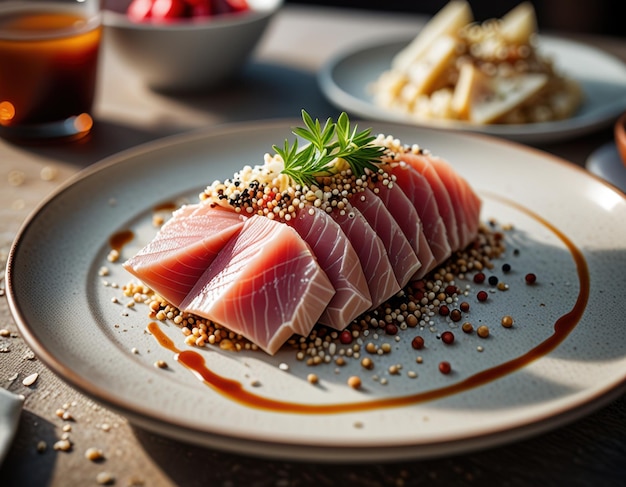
pixel 30 380
pixel 105 478
pixel 94 454
pixel 63 445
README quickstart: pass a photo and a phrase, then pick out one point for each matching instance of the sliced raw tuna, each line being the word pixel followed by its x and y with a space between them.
pixel 401 255
pixel 372 254
pixel 465 201
pixel 265 284
pixel 444 203
pixel 183 249
pixel 416 188
pixel 405 214
pixel 339 260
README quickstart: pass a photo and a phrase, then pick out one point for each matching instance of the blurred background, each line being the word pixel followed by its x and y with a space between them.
pixel 581 16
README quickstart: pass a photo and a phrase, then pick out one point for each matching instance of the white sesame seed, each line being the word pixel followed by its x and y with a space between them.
pixel 30 380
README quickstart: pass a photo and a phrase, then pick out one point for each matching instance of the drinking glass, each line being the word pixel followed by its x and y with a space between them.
pixel 48 67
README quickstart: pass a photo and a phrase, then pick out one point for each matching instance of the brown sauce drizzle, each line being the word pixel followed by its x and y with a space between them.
pixel 121 238
pixel 235 391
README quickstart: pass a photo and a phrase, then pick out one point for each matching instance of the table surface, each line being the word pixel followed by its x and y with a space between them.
pixel 277 83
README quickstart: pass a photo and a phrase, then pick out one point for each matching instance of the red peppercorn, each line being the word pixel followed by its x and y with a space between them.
pixel 465 306
pixel 417 343
pixel 391 329
pixel 479 278
pixel 444 310
pixel 445 367
pixel 345 337
pixel 447 337
pixel 482 295
pixel 451 290
pixel 530 278
pixel 455 315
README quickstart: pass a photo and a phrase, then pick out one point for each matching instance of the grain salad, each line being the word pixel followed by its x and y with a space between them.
pixel 482 73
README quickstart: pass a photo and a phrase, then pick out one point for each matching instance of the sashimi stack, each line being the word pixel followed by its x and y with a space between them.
pixel 272 261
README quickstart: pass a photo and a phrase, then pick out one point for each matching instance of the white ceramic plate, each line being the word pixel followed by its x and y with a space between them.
pixel 606 163
pixel 345 80
pixel 67 316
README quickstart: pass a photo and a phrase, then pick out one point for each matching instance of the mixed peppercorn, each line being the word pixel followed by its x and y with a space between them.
pixel 445 294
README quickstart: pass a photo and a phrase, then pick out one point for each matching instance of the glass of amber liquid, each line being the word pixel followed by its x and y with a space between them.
pixel 48 67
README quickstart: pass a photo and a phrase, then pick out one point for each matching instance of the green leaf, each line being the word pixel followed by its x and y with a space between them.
pixel 336 140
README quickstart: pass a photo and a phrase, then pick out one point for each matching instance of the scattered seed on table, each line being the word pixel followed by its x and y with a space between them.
pixel 105 478
pixel 493 280
pixel 482 296
pixel 507 321
pixel 312 378
pixel 530 278
pixel 94 454
pixel 30 380
pixel 63 445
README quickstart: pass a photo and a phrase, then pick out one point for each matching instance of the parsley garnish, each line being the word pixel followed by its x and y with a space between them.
pixel 327 144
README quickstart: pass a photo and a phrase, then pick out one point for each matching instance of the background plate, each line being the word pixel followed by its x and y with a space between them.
pixel 66 314
pixel 345 80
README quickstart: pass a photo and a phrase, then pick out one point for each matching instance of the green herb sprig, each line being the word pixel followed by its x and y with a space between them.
pixel 326 144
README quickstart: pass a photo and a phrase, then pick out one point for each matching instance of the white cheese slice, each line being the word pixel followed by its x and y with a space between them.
pixel 519 24
pixel 471 85
pixel 448 21
pixel 426 72
pixel 502 95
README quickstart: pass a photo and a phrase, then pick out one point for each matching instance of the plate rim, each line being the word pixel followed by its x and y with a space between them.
pixel 546 132
pixel 297 449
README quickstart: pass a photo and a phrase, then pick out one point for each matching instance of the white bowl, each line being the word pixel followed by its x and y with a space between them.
pixel 187 54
